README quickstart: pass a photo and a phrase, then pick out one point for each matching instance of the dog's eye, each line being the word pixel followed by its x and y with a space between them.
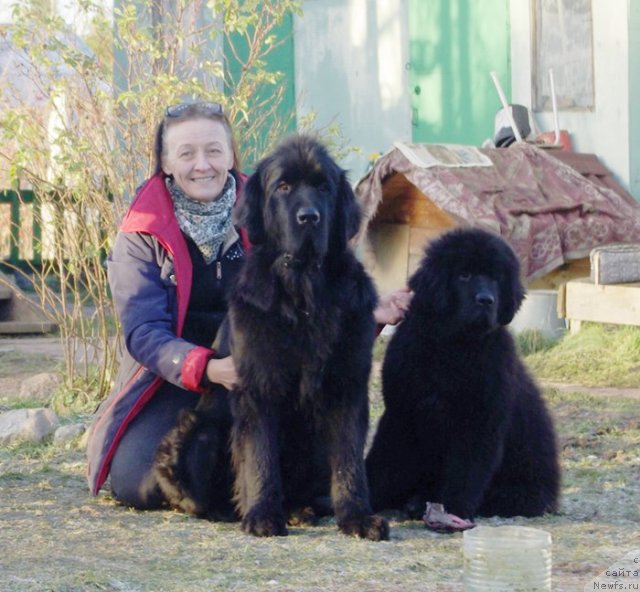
pixel 464 277
pixel 283 187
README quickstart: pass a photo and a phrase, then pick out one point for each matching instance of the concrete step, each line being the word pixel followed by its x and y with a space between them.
pixel 26 327
pixel 19 314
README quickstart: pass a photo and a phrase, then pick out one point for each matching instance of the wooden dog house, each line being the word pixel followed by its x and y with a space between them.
pixel 526 194
pixel 405 222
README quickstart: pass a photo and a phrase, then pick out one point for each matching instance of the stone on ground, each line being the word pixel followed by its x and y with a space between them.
pixel 68 433
pixel 28 425
pixel 39 387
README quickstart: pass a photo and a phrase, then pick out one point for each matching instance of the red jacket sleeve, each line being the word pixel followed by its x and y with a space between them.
pixel 194 368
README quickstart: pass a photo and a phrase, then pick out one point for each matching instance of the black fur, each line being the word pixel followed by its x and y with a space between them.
pixel 303 329
pixel 193 463
pixel 464 424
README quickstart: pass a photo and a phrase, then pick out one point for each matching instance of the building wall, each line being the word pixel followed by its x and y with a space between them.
pixel 350 58
pixel 605 130
pixel 389 70
pixel 354 65
pixel 634 98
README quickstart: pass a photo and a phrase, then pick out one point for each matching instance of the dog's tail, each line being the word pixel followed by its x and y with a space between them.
pixel 189 468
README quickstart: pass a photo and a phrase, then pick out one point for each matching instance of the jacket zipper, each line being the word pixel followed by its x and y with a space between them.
pixel 218 270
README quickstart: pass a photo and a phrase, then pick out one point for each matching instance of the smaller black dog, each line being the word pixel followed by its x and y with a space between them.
pixel 464 424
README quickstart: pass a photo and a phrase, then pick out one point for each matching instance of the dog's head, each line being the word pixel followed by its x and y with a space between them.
pixel 470 279
pixel 299 202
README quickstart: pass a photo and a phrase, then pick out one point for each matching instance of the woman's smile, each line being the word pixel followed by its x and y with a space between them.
pixel 198 157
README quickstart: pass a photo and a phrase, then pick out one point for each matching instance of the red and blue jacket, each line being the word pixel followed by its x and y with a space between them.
pixel 150 275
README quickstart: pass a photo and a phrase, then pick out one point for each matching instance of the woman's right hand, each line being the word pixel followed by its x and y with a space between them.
pixel 222 371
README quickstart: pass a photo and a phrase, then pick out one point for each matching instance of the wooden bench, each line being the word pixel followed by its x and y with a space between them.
pixel 582 300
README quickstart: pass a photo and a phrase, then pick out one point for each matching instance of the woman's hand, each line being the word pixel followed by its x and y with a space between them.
pixel 392 307
pixel 222 371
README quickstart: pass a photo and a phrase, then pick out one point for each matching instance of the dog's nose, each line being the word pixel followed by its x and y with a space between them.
pixel 485 298
pixel 308 216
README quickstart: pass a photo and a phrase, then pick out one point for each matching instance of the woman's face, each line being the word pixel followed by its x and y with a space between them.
pixel 198 154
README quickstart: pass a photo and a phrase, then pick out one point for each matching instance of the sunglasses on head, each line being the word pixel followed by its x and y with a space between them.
pixel 178 110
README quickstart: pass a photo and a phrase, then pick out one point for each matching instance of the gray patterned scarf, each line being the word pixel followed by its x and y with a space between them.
pixel 207 223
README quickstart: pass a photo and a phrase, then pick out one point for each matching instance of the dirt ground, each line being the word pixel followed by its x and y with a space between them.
pixel 22 357
pixel 55 537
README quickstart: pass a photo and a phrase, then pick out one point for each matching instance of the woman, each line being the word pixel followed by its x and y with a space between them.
pixel 172 262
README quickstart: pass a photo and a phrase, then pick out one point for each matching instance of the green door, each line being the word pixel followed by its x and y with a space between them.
pixel 453 47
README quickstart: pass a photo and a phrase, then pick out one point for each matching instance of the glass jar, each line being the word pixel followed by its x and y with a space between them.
pixel 506 559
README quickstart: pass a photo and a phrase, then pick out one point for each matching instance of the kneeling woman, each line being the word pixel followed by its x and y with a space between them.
pixel 173 261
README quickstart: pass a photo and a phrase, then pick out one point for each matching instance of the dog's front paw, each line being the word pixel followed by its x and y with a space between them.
pixel 264 525
pixel 374 528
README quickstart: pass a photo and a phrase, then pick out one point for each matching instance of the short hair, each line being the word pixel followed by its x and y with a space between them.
pixel 188 112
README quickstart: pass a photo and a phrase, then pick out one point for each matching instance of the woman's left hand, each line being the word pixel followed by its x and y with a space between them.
pixel 222 371
pixel 392 307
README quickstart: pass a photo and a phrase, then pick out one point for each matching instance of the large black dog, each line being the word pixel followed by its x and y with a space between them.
pixel 464 425
pixel 302 331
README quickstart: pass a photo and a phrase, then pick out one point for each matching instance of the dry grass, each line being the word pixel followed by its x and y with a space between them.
pixel 55 537
pixel 15 366
pixel 15 363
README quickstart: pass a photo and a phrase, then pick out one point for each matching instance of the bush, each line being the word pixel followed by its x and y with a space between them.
pixel 78 123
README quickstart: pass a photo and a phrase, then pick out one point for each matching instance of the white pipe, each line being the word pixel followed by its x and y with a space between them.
pixel 554 105
pixel 505 106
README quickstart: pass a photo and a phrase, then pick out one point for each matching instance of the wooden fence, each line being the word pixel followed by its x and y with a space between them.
pixel 21 234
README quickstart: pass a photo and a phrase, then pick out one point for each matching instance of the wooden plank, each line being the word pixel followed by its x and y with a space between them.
pixel 575 326
pixel 419 238
pixel 403 203
pixel 561 308
pixel 613 303
pixel 387 255
pixel 578 268
pixel 24 327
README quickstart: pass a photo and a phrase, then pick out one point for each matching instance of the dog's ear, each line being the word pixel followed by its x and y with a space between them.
pixel 249 213
pixel 511 290
pixel 347 215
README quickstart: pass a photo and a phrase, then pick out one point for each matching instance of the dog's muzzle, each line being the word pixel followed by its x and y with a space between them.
pixel 485 298
pixel 308 215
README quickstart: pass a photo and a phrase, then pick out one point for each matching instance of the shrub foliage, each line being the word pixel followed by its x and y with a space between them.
pixel 77 122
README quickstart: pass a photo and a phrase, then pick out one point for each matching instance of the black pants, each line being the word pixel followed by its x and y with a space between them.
pixel 132 480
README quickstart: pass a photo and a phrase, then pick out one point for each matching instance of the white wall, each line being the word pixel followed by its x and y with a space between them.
pixel 350 58
pixel 634 96
pixel 605 130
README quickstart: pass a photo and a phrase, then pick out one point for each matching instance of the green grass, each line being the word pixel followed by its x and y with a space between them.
pixel 531 341
pixel 599 355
